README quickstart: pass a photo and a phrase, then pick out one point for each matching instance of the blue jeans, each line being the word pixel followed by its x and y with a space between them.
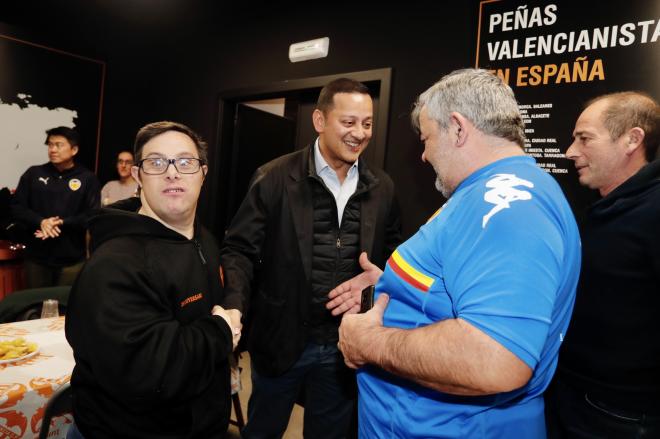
pixel 574 414
pixel 330 393
pixel 74 433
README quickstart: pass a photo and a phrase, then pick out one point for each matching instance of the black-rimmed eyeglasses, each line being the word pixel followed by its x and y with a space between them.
pixel 158 165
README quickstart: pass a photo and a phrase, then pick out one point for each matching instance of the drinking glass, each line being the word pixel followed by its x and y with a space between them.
pixel 49 309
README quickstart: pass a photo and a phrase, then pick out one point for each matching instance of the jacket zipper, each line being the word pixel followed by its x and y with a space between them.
pixel 357 192
pixel 199 251
pixel 338 246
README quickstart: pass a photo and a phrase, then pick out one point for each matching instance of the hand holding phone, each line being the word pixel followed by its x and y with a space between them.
pixel 367 301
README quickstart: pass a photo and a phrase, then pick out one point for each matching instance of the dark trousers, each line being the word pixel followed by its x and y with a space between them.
pixel 574 414
pixel 330 392
pixel 39 276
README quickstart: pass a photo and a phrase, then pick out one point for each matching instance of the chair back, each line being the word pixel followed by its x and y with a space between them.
pixel 60 402
pixel 26 304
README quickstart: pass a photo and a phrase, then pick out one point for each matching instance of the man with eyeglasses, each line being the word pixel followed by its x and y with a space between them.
pixel 123 188
pixel 53 202
pixel 148 320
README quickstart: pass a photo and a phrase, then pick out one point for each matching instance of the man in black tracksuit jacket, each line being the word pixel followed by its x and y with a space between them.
pixel 55 200
pixel 297 235
pixel 150 342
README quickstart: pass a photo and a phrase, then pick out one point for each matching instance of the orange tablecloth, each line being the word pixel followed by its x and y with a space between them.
pixel 25 386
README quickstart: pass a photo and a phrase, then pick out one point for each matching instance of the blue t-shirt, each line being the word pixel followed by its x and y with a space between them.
pixel 503 254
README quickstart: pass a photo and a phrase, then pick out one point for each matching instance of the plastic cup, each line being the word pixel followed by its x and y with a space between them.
pixel 49 309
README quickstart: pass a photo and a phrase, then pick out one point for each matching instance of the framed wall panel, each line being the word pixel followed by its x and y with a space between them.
pixel 42 87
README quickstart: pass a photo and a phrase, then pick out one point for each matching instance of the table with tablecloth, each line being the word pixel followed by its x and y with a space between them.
pixel 26 385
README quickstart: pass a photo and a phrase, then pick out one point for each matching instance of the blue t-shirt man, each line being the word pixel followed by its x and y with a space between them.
pixel 503 254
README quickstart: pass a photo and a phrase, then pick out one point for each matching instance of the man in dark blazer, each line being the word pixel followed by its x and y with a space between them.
pixel 305 220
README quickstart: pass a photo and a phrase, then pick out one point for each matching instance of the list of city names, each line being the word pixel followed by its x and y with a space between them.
pixel 539 142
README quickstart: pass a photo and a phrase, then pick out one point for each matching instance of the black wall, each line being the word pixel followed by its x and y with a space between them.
pixel 168 59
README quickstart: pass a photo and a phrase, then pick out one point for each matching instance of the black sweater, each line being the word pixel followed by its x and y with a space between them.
pixel 151 360
pixel 612 348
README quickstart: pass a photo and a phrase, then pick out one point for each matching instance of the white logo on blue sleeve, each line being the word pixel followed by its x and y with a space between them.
pixel 504 192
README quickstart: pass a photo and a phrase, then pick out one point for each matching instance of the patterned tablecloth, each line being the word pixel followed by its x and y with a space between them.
pixel 26 385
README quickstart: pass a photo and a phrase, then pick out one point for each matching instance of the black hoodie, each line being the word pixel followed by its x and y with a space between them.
pixel 151 360
pixel 612 347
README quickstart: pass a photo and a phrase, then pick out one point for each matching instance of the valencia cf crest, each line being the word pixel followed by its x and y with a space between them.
pixel 74 184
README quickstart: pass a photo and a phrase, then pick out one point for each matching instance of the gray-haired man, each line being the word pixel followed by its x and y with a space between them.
pixel 480 296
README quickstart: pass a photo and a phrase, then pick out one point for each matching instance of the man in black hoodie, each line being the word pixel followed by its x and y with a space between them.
pixel 608 378
pixel 53 202
pixel 150 339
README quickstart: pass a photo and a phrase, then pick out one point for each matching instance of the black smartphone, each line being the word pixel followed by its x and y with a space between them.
pixel 367 301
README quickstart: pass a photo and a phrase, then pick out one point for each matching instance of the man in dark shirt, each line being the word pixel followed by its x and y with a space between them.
pixel 53 201
pixel 306 218
pixel 608 378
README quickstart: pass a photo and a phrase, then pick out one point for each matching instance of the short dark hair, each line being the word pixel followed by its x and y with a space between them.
pixel 69 134
pixel 342 85
pixel 149 131
pixel 630 109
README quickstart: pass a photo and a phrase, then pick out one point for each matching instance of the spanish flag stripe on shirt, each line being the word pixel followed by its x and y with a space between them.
pixel 436 213
pixel 408 273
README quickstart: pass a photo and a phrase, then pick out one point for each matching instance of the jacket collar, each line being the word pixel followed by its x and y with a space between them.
pixel 307 169
pixel 629 191
pixel 122 219
pixel 54 171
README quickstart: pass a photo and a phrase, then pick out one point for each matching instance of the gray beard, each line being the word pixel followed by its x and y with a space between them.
pixel 439 185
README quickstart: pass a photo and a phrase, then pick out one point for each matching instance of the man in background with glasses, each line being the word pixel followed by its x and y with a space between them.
pixel 149 335
pixel 123 188
pixel 53 202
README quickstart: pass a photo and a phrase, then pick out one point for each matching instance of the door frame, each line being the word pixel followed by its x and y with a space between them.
pixel 227 103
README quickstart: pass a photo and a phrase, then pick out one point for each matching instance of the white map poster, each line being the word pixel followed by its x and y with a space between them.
pixel 42 88
pixel 21 135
